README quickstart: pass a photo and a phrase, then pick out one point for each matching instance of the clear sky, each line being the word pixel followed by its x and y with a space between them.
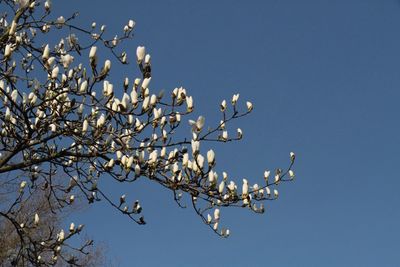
pixel 324 79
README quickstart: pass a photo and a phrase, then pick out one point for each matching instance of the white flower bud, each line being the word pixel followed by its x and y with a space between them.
pixel 221 187
pixel 85 126
pixel 83 87
pixel 291 174
pixel 239 133
pixel 145 83
pixel 107 65
pixel 54 72
pixel 46 53
pixel 140 53
pixel 211 157
pixel 209 218
pixel 245 188
pixel 131 24
pixel 235 98
pixel 223 105
pixel 189 102
pixel 266 175
pixel 249 106
pixel 276 193
pixel 7 51
pixel 216 215
pixel 92 53
pixel 147 59
pixel 224 136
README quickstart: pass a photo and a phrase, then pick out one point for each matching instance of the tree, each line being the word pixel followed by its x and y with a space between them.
pixel 37 206
pixel 63 128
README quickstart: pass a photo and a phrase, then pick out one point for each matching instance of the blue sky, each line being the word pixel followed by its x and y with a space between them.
pixel 324 79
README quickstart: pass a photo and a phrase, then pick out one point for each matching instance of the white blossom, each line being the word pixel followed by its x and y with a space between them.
pixel 216 215
pixel 140 53
pixel 235 98
pixel 245 188
pixel 54 72
pixel 249 106
pixel 223 105
pixel 211 157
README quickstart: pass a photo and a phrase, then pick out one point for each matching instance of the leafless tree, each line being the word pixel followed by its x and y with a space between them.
pixel 63 127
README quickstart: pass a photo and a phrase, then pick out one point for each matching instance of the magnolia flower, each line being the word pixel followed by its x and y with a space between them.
pixel 140 53
pixel 145 83
pixel 291 174
pixel 239 133
pixel 277 178
pixel 199 162
pixel 215 227
pixel 185 160
pixel 36 219
pixel 7 51
pixel 249 106
pixel 276 193
pixel 92 54
pixel 47 5
pixel 61 236
pixel 60 20
pixel 101 121
pixel 146 103
pixel 14 95
pixel 245 188
pixel 153 157
pixel 223 105
pixel 125 102
pixel 72 227
pixel 85 126
pixel 137 170
pixel 153 100
pixel 266 175
pixel 83 86
pixel 235 99
pixel 107 67
pixel 198 125
pixel 232 186
pixel 50 61
pixel 189 102
pixel 147 59
pixel 110 164
pixel 211 157
pixel 54 72
pixel 131 24
pixel 129 163
pixel 224 136
pixel 221 187
pixel 209 218
pixel 211 177
pixel 195 147
pixel 225 232
pixel 134 97
pixel 67 60
pixel 216 215
pixel 46 53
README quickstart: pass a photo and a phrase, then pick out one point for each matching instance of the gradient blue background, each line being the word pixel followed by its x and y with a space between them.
pixel 324 80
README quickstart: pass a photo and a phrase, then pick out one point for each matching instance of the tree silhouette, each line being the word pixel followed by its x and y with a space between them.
pixel 64 126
